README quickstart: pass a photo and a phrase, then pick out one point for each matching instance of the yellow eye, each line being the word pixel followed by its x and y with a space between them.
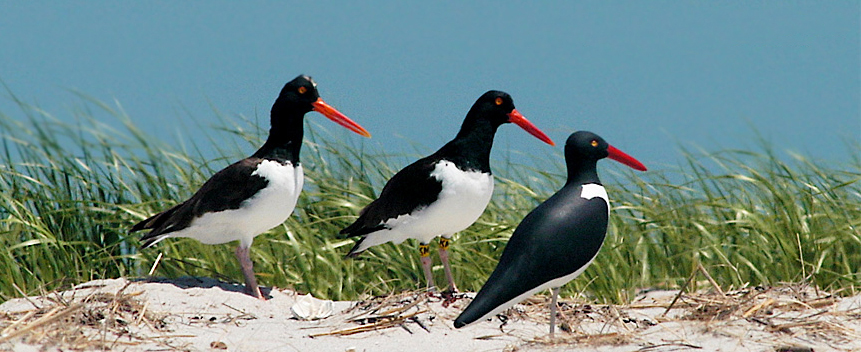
pixel 594 143
pixel 302 90
pixel 498 101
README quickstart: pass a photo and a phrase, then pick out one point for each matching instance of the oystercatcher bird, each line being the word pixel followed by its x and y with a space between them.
pixel 254 194
pixel 557 240
pixel 443 193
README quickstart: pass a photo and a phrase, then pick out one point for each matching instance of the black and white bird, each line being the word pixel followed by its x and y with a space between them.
pixel 443 193
pixel 557 240
pixel 254 194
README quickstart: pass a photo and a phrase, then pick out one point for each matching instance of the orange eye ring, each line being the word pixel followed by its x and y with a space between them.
pixel 302 90
pixel 594 143
pixel 498 101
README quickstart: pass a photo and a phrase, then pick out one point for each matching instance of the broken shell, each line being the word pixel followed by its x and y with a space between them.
pixel 308 307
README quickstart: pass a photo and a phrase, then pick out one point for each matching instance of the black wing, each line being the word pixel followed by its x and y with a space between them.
pixel 556 239
pixel 227 189
pixel 411 188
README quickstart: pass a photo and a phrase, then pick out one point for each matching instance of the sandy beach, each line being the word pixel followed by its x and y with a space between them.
pixel 202 314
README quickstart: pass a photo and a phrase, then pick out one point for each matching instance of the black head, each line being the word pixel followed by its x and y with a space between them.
pixel 498 108
pixel 494 106
pixel 297 95
pixel 584 147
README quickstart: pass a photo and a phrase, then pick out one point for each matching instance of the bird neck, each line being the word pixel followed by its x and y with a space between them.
pixel 284 142
pixel 470 149
pixel 583 172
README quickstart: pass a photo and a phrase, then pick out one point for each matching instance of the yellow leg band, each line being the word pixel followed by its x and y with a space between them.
pixel 444 243
pixel 424 250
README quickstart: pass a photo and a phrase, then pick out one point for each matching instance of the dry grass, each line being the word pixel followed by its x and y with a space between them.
pixel 97 321
pixel 404 310
pixel 72 190
pixel 791 310
pixel 105 320
pixel 788 310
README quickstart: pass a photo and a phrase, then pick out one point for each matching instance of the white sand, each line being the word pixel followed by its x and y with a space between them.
pixel 206 315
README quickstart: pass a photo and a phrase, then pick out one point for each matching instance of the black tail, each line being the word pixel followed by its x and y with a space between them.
pixel 156 224
pixel 354 252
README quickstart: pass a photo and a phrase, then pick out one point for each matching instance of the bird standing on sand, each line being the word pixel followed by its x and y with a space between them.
pixel 557 240
pixel 254 194
pixel 443 193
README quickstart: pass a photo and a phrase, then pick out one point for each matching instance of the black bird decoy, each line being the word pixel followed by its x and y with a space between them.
pixel 557 240
pixel 254 194
pixel 443 193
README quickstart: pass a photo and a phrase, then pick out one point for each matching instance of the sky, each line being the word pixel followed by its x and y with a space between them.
pixel 648 76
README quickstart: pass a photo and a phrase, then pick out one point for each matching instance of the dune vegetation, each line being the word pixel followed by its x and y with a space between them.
pixel 70 191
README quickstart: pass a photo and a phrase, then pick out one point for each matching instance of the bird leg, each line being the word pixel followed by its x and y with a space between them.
pixel 247 269
pixel 443 256
pixel 424 251
pixel 555 293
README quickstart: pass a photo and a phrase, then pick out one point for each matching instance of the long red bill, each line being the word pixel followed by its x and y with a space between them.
pixel 518 119
pixel 339 118
pixel 626 159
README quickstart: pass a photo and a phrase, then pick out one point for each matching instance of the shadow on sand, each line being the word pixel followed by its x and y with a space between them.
pixel 202 282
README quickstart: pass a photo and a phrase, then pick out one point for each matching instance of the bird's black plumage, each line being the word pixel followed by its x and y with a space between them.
pixel 537 255
pixel 557 239
pixel 413 187
pixel 234 184
pixel 410 189
pixel 227 189
pixel 418 186
pixel 254 194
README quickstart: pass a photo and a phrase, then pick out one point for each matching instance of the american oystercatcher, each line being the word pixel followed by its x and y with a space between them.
pixel 557 240
pixel 443 193
pixel 254 194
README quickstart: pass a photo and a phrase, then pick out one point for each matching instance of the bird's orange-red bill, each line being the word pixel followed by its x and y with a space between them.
pixel 626 159
pixel 339 118
pixel 518 119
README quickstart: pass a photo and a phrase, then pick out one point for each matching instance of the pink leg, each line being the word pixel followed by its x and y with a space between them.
pixel 247 269
pixel 443 256
pixel 424 251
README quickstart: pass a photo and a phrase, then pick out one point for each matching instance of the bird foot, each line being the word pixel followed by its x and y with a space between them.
pixel 255 292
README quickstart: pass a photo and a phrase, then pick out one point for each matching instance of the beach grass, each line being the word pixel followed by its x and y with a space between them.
pixel 70 191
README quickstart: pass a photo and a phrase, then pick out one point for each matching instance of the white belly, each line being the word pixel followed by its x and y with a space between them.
pixel 270 207
pixel 463 198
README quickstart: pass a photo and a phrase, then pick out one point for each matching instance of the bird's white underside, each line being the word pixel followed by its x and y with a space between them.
pixel 558 282
pixel 270 207
pixel 463 198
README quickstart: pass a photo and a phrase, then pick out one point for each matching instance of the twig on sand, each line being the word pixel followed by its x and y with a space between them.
pixel 379 324
pixel 681 290
pixel 681 344
pixel 708 276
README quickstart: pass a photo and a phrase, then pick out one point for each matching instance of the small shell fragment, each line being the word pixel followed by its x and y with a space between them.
pixel 308 307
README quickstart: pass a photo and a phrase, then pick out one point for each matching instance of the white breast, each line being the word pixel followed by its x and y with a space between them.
pixel 270 207
pixel 463 198
pixel 592 190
